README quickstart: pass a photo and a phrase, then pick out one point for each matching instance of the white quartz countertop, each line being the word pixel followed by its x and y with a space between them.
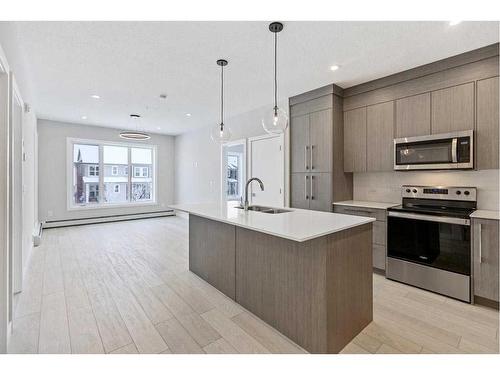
pixel 297 225
pixel 367 204
pixel 486 214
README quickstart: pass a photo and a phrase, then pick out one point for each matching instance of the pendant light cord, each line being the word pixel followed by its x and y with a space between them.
pixel 222 98
pixel 275 74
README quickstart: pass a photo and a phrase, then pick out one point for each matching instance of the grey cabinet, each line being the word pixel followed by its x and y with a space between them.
pixel 452 109
pixel 299 143
pixel 312 191
pixel 379 232
pixel 413 116
pixel 485 237
pixel 299 196
pixel 380 135
pixel 487 124
pixel 320 138
pixel 355 140
pixel 320 191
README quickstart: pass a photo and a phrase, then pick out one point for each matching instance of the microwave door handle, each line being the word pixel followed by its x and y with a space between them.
pixel 454 146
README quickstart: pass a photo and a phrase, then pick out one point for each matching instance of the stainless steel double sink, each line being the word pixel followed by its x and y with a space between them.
pixel 264 209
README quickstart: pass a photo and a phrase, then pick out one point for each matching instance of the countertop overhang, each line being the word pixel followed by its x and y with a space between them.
pixel 297 225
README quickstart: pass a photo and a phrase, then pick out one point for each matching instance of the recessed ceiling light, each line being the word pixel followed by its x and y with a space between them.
pixel 453 23
pixel 84 117
pixel 188 114
pixel 159 128
pixel 334 68
pixel 95 96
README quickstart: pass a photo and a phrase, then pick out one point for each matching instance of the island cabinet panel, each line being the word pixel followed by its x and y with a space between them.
pixel 379 137
pixel 212 252
pixel 487 126
pixel 355 140
pixel 413 116
pixel 318 292
pixel 452 109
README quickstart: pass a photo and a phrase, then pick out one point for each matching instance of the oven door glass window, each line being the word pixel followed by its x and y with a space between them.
pixel 433 152
pixel 440 245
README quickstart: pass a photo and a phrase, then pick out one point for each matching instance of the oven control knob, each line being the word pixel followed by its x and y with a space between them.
pixel 414 191
pixel 408 190
pixel 458 192
pixel 466 192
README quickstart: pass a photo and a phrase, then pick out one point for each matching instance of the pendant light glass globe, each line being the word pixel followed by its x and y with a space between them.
pixel 220 133
pixel 275 121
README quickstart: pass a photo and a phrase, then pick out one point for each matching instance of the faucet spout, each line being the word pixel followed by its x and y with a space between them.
pixel 245 206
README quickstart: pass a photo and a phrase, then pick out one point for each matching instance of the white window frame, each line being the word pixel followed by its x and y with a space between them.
pixel 71 206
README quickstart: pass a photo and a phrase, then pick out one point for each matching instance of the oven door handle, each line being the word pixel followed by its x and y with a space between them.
pixel 438 219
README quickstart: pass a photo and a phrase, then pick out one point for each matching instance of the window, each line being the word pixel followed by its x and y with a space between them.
pixel 115 160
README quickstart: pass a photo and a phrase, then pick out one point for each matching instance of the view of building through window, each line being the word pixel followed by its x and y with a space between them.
pixel 115 184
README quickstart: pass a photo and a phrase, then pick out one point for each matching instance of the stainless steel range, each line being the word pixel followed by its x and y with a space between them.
pixel 429 239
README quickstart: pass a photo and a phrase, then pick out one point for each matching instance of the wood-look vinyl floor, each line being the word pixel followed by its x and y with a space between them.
pixel 125 287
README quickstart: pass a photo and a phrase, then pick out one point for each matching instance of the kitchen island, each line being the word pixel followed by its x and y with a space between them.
pixel 306 273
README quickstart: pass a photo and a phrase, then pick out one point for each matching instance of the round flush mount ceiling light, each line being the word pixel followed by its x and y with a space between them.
pixel 221 132
pixel 135 135
pixel 454 23
pixel 84 117
pixel 275 121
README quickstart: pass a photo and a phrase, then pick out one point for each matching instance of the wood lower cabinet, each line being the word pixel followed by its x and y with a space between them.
pixel 485 246
pixel 413 116
pixel 312 191
pixel 299 196
pixel 379 233
pixel 487 126
pixel 452 109
pixel 355 140
pixel 379 137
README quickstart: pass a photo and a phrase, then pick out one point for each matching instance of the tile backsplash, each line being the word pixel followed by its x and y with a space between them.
pixel 386 186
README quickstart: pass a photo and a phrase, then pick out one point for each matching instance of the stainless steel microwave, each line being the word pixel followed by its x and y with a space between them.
pixel 440 151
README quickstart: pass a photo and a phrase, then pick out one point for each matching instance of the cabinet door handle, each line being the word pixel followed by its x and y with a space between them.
pixel 306 177
pixel 312 162
pixel 305 158
pixel 480 244
pixel 312 191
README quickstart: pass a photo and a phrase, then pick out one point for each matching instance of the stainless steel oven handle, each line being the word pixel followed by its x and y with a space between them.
pixel 454 144
pixel 438 219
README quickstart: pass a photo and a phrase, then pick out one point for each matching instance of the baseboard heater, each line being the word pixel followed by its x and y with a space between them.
pixel 105 219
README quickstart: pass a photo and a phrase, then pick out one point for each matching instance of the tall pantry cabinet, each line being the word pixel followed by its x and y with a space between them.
pixel 317 150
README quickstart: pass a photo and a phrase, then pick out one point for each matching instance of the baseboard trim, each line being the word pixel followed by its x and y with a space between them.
pixel 105 219
pixel 486 302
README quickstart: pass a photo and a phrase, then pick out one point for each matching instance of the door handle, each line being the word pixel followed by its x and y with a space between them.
pixel 305 157
pixel 312 163
pixel 306 177
pixel 480 243
pixel 312 191
pixel 454 150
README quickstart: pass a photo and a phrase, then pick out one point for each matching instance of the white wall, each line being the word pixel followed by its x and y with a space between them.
pixel 386 186
pixel 52 141
pixel 198 158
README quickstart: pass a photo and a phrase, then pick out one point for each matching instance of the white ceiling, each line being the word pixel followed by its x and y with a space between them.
pixel 129 64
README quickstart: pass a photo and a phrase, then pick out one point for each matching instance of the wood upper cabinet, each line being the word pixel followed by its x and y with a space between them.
pixel 487 124
pixel 486 258
pixel 299 144
pixel 380 135
pixel 355 140
pixel 453 109
pixel 413 116
pixel 321 141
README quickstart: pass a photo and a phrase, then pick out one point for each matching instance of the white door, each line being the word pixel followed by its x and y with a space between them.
pixel 267 163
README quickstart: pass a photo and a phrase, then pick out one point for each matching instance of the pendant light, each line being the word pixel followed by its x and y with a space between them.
pixel 275 121
pixel 220 132
pixel 135 135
